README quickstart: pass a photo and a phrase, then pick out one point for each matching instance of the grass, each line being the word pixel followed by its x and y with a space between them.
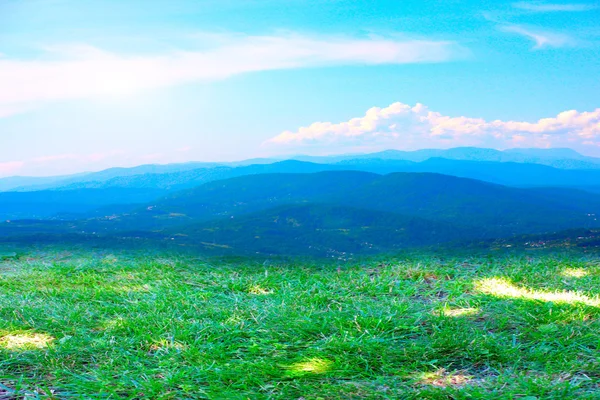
pixel 77 325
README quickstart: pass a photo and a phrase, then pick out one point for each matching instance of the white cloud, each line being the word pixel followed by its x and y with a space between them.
pixel 410 127
pixel 554 7
pixel 542 39
pixel 79 72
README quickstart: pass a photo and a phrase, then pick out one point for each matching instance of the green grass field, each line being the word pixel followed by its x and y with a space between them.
pixel 77 325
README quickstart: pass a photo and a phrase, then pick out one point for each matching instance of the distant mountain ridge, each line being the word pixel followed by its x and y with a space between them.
pixel 559 157
pixel 565 159
pixel 321 212
pixel 49 203
pixel 320 229
pixel 487 209
pixel 119 193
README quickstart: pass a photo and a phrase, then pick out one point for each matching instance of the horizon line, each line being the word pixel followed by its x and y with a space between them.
pixel 280 158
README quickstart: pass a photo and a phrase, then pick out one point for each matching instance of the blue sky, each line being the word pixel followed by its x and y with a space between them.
pixel 86 85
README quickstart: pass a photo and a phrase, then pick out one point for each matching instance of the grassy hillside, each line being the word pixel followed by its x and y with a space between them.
pixel 99 325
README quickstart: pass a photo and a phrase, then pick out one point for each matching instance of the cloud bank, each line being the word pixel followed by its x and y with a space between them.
pixel 408 127
pixel 82 71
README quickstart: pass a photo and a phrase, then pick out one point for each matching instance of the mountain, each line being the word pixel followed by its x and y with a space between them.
pixel 121 176
pixel 95 179
pixel 168 181
pixel 48 203
pixel 316 229
pixel 559 158
pixel 116 195
pixel 178 180
pixel 485 208
pixel 505 173
pixel 177 176
pixel 15 182
pixel 325 213
pixel 231 197
pixel 155 185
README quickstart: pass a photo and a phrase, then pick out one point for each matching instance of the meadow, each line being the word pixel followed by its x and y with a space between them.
pixel 93 324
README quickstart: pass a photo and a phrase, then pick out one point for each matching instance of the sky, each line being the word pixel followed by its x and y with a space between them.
pixel 90 84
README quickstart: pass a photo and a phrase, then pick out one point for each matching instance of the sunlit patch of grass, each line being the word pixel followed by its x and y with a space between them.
pixel 109 324
pixel 235 319
pixel 166 345
pixel 503 288
pixel 459 312
pixel 258 290
pixel 125 288
pixel 311 366
pixel 443 378
pixel 26 341
pixel 574 273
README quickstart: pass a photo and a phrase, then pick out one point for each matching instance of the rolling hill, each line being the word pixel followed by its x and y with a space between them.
pixel 49 203
pixel 319 213
pixel 317 229
pixel 488 209
pixel 505 173
pixel 474 160
pixel 559 158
